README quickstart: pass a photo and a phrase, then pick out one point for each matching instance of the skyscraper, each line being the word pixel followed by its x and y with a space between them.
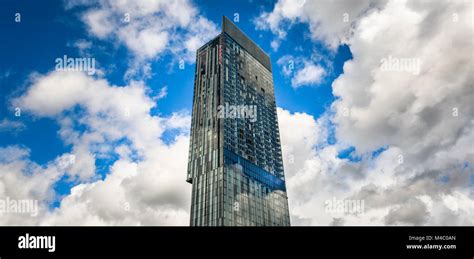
pixel 235 161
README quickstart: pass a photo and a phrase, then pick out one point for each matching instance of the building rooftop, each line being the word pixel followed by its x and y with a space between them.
pixel 251 47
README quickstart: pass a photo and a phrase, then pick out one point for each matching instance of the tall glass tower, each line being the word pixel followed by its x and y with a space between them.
pixel 235 162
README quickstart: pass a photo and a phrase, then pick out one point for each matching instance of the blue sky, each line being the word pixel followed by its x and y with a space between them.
pixel 48 31
pixel 351 129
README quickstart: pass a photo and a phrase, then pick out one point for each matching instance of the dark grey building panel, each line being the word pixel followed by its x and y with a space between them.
pixel 246 43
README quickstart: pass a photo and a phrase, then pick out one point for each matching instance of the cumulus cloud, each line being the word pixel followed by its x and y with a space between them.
pixel 98 23
pixel 303 71
pixel 311 74
pixel 100 120
pixel 329 21
pixel 149 29
pixel 423 122
pixel 22 179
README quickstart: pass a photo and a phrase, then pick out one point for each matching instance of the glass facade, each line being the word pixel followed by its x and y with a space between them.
pixel 235 162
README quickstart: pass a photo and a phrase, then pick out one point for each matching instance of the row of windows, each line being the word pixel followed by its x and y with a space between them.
pixel 258 143
pixel 253 171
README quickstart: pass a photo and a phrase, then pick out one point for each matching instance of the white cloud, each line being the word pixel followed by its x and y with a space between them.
pixel 326 19
pixel 149 192
pixel 98 22
pixel 146 43
pixel 275 44
pixel 142 187
pixel 149 29
pixel 11 125
pixel 200 31
pixel 163 92
pixel 310 74
pixel 423 120
pixel 22 179
pixel 303 71
pixel 315 174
